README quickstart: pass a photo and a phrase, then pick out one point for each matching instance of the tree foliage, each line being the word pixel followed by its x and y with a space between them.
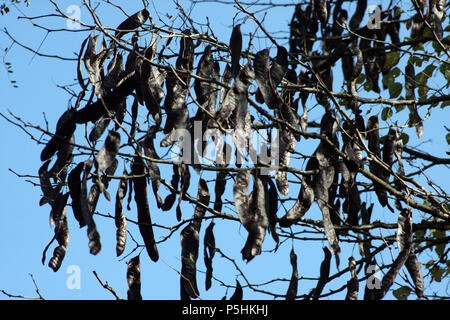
pixel 153 97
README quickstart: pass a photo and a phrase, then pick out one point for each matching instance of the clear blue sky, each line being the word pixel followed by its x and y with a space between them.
pixel 24 225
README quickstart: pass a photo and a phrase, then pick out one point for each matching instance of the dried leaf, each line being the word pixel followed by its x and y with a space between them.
pixel 134 279
pixel 144 219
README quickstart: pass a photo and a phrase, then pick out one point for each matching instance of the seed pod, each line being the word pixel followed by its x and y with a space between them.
pixel 93 235
pixel 235 49
pixel 100 186
pixel 144 219
pixel 116 71
pixel 352 284
pixel 319 7
pixel 388 152
pixel 357 17
pixel 374 147
pixel 272 206
pixel 404 237
pixel 293 283
pixel 412 264
pixel 170 199
pixel 119 218
pixel 252 212
pixel 276 73
pixel 324 274
pixel 151 82
pixel 154 172
pixel 301 206
pixel 74 183
pixel 132 22
pixel 64 131
pixel 62 236
pixel 49 192
pixel 107 154
pixel 219 189
pixel 94 61
pixel 410 85
pixel 189 255
pixel 134 279
pixel 238 293
pixel 209 249
pixel 202 197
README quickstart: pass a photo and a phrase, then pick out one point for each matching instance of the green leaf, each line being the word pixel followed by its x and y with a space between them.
pixel 398 12
pixel 400 107
pixel 423 90
pixel 395 72
pixel 361 78
pixel 409 24
pixel 417 61
pixel 447 137
pixel 405 138
pixel 395 89
pixel 392 58
pixel 386 114
pixel 437 273
pixel 429 70
pixel 439 249
pixel 445 70
pixel 402 293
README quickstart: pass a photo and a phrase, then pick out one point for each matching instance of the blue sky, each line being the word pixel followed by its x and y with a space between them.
pixel 24 225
